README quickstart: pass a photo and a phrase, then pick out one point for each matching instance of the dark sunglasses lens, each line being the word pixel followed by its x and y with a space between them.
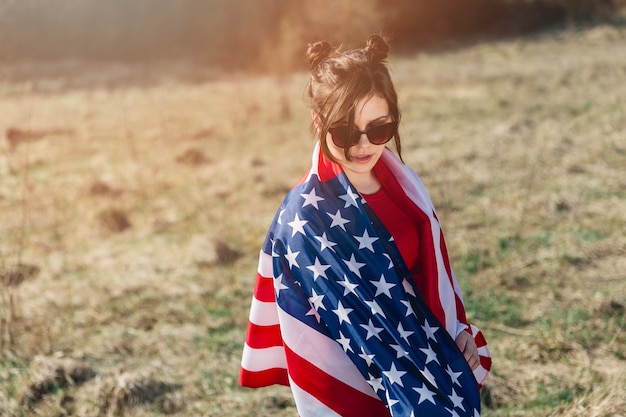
pixel 340 137
pixel 381 134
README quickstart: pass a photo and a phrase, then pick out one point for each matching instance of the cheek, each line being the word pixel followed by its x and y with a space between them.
pixel 335 151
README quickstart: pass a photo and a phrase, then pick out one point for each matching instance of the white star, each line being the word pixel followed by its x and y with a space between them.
pixel 376 383
pixel 280 216
pixel 372 330
pixel 318 269
pixel 457 400
pixel 390 401
pixel 453 375
pixel 429 376
pixel 313 312
pixel 476 413
pixel 425 394
pixel 400 352
pixel 344 342
pixel 390 261
pixel 430 354
pixel 348 286
pixel 354 266
pixel 430 331
pixel 311 198
pixel 408 287
pixel 338 220
pixel 342 313
pixel 324 242
pixel 404 333
pixel 394 375
pixel 291 258
pixel 366 241
pixel 316 300
pixel 350 198
pixel 375 308
pixel 452 412
pixel 383 287
pixel 409 308
pixel 279 285
pixel 369 359
pixel 297 225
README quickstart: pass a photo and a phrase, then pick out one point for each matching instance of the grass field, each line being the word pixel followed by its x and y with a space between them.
pixel 134 201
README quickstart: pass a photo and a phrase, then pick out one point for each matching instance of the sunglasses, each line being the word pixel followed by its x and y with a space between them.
pixel 377 135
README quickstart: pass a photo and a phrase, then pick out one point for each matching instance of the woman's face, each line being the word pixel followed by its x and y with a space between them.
pixel 370 111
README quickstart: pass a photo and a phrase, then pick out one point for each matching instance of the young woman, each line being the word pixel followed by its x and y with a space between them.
pixel 356 307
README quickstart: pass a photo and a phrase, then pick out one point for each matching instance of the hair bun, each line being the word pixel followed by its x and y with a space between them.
pixel 317 52
pixel 377 47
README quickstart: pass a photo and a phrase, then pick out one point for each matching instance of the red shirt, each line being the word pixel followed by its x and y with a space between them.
pixel 402 227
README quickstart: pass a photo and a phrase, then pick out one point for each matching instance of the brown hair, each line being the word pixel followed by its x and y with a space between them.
pixel 340 79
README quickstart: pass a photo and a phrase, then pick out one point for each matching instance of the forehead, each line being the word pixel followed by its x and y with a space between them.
pixel 368 108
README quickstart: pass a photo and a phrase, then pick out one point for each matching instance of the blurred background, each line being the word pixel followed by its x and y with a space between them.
pixel 265 35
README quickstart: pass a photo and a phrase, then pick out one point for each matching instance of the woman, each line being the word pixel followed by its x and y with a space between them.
pixel 356 307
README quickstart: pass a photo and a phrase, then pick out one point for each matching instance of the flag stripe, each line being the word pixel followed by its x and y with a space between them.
pixel 332 392
pixel 263 313
pixel 257 359
pixel 259 337
pixel 308 343
pixel 264 378
pixel 264 290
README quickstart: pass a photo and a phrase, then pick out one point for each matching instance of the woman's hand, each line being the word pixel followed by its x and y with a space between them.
pixel 467 346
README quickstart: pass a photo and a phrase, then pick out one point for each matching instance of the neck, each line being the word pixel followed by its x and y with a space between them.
pixel 364 183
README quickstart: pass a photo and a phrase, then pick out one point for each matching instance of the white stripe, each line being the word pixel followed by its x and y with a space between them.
pixel 263 313
pixel 266 267
pixel 255 360
pixel 308 405
pixel 321 351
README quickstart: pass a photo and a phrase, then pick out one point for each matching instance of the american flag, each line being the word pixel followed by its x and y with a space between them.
pixel 336 316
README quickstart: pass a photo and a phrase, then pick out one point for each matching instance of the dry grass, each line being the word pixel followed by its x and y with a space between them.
pixel 134 202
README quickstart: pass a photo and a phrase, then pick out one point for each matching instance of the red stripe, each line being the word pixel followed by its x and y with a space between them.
pixel 264 289
pixel 335 394
pixel 259 337
pixel 264 378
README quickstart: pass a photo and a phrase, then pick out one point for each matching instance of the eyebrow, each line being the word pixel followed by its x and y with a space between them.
pixel 378 119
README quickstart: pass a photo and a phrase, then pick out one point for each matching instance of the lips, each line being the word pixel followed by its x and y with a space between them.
pixel 362 159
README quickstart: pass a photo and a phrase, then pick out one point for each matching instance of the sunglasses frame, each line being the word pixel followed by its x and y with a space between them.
pixel 356 134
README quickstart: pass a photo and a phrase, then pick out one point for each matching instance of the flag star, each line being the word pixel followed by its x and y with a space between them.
pixel 376 383
pixel 318 269
pixel 313 312
pixel 431 355
pixel 280 216
pixel 457 400
pixel 409 308
pixel 453 375
pixel 430 331
pixel 291 258
pixel 348 286
pixel 375 308
pixel 390 261
pixel 390 401
pixel 317 300
pixel 425 394
pixel 350 198
pixel 383 287
pixel 452 412
pixel 372 330
pixel 344 342
pixel 366 241
pixel 297 225
pixel 342 313
pixel 354 266
pixel 324 242
pixel 279 285
pixel 369 359
pixel 404 333
pixel 476 413
pixel 429 377
pixel 311 198
pixel 408 287
pixel 394 375
pixel 400 352
pixel 338 220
